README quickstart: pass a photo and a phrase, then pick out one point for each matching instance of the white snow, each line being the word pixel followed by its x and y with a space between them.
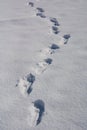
pixel 40 67
pixel 25 41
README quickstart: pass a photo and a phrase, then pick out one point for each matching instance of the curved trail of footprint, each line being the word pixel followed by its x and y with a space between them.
pixel 40 13
pixel 37 108
pixel 53 48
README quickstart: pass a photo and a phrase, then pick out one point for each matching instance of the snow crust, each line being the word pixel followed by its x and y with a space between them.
pixel 59 87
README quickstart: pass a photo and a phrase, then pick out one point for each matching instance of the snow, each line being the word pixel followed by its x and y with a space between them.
pixel 60 87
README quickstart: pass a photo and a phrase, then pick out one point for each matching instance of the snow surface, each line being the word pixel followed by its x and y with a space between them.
pixel 25 40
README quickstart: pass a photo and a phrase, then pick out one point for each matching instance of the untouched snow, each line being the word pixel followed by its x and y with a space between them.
pixel 58 98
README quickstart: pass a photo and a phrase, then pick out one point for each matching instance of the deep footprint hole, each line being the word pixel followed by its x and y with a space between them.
pixel 48 61
pixel 30 78
pixel 54 46
pixel 31 4
pixel 39 104
pixel 54 20
pixel 67 36
pixel 55 29
pixel 40 9
pixel 41 15
pixel 29 89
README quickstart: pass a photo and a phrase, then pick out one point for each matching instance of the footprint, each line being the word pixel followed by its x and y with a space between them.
pixel 55 29
pixel 31 4
pixel 41 10
pixel 63 40
pixel 40 15
pixel 42 66
pixel 66 37
pixel 25 84
pixel 54 20
pixel 30 78
pixel 46 51
pixel 54 47
pixel 36 111
pixel 39 104
pixel 48 61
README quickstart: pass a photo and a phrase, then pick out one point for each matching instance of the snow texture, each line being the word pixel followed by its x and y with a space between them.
pixel 43 51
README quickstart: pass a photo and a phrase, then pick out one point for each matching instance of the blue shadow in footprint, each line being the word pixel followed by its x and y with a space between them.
pixel 39 104
pixel 31 79
pixel 67 37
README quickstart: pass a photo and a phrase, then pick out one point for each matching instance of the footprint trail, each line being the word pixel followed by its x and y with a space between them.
pixel 25 84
